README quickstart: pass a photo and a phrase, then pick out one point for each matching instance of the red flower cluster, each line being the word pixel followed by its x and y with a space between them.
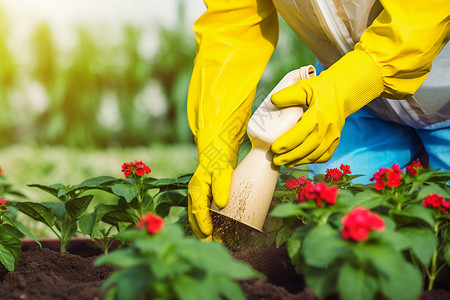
pixel 387 176
pixel 319 192
pixel 1 171
pixel 359 222
pixel 435 200
pixel 152 222
pixel 2 204
pixel 293 183
pixel 335 174
pixel 413 168
pixel 138 167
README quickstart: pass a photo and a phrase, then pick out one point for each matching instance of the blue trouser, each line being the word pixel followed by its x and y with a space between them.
pixel 369 143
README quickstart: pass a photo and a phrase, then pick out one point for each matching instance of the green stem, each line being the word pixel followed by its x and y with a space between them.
pixel 432 274
pixel 323 220
pixel 55 232
pixel 139 196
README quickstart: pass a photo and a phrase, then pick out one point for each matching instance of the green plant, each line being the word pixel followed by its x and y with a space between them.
pixel 138 194
pixel 11 231
pixel 416 215
pixel 61 217
pixel 162 263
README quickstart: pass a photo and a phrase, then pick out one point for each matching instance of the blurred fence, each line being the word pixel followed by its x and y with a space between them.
pixel 98 95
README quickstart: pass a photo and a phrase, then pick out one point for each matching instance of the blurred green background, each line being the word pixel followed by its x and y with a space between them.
pixel 79 98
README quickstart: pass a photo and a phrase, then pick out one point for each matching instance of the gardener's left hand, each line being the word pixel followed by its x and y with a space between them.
pixel 210 182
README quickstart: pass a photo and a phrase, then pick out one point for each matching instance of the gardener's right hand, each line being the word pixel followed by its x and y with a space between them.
pixel 217 159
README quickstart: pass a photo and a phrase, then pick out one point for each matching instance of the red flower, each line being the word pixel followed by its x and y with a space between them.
pixel 445 206
pixel 413 168
pixel 153 223
pixel 394 179
pixel 319 192
pixel 139 168
pixel 1 171
pixel 379 177
pixel 359 222
pixel 435 200
pixel 345 169
pixel 2 204
pixel 333 174
pixel 293 183
pixel 387 176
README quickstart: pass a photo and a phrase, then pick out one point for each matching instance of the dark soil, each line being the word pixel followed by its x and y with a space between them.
pixel 48 274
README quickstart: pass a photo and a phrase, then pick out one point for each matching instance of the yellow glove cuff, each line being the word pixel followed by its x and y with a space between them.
pixel 217 148
pixel 360 79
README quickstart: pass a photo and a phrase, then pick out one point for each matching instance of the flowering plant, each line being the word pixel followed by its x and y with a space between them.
pixel 11 231
pixel 392 231
pixel 137 194
pixel 159 262
pixel 69 216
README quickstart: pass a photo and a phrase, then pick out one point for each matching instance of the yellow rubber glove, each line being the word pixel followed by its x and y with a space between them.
pixel 235 40
pixel 217 156
pixel 392 59
pixel 345 87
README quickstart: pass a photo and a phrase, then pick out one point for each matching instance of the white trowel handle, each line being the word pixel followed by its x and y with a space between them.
pixel 269 122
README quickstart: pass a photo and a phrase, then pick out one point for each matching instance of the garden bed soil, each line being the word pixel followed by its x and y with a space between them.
pixel 48 274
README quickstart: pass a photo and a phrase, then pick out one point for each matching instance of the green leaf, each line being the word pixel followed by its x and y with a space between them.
pixel 443 176
pixel 424 176
pixel 416 211
pixel 294 244
pixel 176 213
pixel 395 238
pixel 431 188
pixel 322 281
pixel 37 211
pixel 89 222
pixel 126 191
pixel 117 215
pixel 356 283
pixel 346 198
pixel 10 248
pixel 370 199
pixel 132 283
pixel 57 208
pixel 96 182
pixel 75 207
pixel 322 246
pixel 286 210
pixel 173 198
pixel 169 183
pixel 405 284
pixel 51 189
pixel 283 236
pixel 123 258
pixel 24 231
pixel 398 279
pixel 221 262
pixel 189 288
pixel 229 289
pixel 447 253
pixel 424 242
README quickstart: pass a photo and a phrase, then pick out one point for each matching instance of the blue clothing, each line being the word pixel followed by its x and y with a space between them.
pixel 369 143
